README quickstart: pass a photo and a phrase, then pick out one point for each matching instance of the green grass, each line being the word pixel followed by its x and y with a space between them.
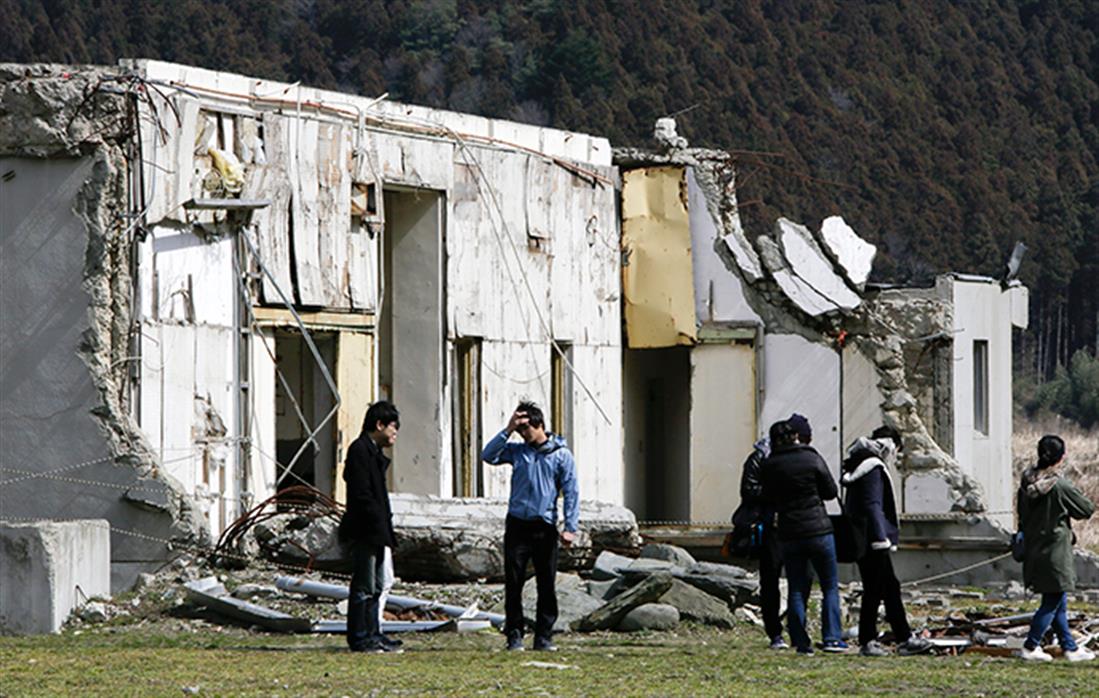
pixel 691 662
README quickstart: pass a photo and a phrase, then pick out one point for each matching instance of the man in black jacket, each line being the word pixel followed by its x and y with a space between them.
pixel 367 526
pixel 872 508
pixel 797 482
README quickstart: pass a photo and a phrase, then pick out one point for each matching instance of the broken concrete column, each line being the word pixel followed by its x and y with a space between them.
pixel 609 615
pixel 48 568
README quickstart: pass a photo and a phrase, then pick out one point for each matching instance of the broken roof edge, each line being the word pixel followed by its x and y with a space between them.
pixel 551 143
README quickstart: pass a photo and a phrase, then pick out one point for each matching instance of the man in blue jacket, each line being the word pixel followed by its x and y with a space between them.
pixel 542 466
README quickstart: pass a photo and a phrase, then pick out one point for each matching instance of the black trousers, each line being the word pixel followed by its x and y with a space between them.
pixel 363 629
pixel 770 571
pixel 526 541
pixel 879 584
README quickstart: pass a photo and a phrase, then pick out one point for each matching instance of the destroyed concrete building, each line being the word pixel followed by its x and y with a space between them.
pixel 207 277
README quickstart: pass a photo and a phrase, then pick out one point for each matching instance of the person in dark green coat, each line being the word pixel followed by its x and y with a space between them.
pixel 1047 502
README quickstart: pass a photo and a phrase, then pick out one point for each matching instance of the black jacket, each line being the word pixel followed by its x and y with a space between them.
pixel 797 482
pixel 368 517
pixel 752 508
pixel 870 502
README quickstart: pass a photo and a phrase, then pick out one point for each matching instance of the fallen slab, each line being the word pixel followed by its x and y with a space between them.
pixel 212 594
pixel 852 254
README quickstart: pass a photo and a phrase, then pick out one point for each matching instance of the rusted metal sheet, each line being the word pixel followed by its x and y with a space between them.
pixel 657 275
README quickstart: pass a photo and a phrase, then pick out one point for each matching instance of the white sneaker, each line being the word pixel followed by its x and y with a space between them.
pixel 1080 654
pixel 1035 655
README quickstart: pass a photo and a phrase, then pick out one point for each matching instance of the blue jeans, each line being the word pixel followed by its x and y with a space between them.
pixel 797 555
pixel 1054 610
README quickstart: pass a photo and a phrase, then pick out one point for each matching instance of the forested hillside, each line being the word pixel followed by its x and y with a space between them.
pixel 943 131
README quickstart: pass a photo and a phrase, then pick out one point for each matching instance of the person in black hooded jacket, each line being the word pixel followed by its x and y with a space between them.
pixel 367 526
pixel 872 509
pixel 797 482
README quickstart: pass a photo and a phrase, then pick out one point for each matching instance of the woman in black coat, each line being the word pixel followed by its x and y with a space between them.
pixel 872 508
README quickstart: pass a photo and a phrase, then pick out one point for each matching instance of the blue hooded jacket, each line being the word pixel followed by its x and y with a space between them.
pixel 537 475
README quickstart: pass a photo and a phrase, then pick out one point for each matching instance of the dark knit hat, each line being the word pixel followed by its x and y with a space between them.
pixel 801 426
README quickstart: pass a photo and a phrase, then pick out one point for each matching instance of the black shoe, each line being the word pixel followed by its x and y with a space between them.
pixel 389 641
pixel 377 648
pixel 544 644
pixel 515 642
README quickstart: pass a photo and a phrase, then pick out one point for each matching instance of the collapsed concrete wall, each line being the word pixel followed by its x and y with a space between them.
pixel 71 448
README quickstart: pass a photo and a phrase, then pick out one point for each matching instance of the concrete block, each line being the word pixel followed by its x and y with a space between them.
pixel 47 568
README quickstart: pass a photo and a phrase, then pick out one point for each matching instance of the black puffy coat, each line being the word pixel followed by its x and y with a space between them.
pixel 368 517
pixel 797 482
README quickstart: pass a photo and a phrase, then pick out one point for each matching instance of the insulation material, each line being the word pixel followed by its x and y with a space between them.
pixel 416 162
pixel 272 224
pixel 304 161
pixel 169 156
pixel 853 255
pixel 334 213
pixel 194 279
pixel 657 275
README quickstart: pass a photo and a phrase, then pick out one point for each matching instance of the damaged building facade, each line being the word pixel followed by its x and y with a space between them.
pixel 726 335
pixel 208 277
pixel 187 335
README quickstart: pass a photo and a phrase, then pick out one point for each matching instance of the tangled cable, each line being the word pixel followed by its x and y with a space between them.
pixel 304 501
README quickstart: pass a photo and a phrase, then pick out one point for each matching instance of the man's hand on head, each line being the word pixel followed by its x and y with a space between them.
pixel 518 419
pixel 567 538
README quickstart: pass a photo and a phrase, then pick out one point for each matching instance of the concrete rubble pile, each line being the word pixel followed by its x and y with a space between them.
pixel 442 539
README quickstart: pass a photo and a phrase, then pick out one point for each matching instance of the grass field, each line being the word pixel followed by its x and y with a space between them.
pixel 693 662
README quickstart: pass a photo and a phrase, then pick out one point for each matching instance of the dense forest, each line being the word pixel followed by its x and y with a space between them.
pixel 942 131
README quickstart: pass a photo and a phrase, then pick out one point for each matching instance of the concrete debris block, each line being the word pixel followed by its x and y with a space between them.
pixel 718 568
pixel 150 494
pixel 748 615
pixel 650 616
pixel 143 581
pixel 671 553
pixel 798 291
pixel 606 589
pixel 696 605
pixel 609 565
pixel 852 254
pixel 610 614
pixel 811 265
pixel 966 594
pixel 42 564
pixel 94 612
pixel 735 592
pixel 249 591
pixel 573 601
pixel 664 132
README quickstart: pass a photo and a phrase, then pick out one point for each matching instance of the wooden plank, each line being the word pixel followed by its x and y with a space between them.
pixel 280 317
pixel 355 381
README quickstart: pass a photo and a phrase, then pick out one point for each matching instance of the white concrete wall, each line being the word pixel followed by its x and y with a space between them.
pixel 48 568
pixel 982 311
pixel 804 377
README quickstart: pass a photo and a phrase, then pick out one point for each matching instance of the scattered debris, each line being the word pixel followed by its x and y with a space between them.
pixel 209 592
pixel 549 665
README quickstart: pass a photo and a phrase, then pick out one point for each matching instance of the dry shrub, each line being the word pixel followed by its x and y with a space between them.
pixel 1082 458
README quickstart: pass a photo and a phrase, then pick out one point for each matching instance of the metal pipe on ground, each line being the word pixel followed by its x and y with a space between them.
pixel 393 602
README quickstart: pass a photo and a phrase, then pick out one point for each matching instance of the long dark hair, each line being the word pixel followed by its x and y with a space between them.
pixel 1051 449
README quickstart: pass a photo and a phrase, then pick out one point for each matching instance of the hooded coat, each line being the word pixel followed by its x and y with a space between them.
pixel 1046 504
pixel 871 504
